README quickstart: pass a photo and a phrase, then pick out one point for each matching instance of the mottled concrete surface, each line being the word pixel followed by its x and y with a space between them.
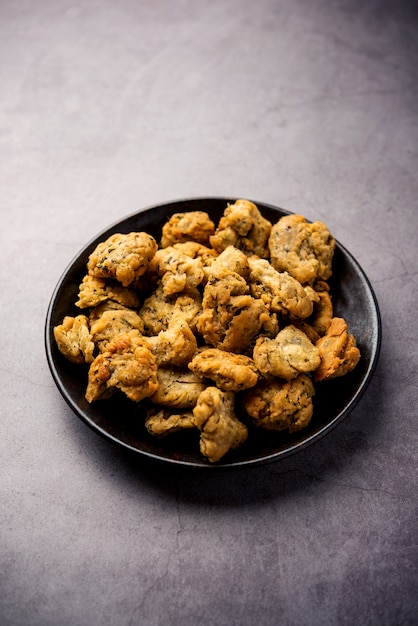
pixel 107 107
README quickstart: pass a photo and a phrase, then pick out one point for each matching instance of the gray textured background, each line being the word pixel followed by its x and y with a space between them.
pixel 107 107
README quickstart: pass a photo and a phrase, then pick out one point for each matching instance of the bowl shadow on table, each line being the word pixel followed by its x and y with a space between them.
pixel 327 460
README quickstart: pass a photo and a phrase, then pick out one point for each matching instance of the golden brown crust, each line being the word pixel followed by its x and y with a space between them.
pixel 192 226
pixel 178 271
pixel 163 422
pixel 174 346
pixel 122 257
pixel 281 405
pixel 74 339
pixel 221 431
pixel 243 227
pixel 279 290
pixel 303 249
pixel 178 388
pixel 231 372
pixel 112 323
pixel 94 291
pixel 337 350
pixel 287 355
pixel 127 365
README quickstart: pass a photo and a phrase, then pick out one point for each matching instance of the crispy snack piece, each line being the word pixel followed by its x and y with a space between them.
pixel 221 431
pixel 158 309
pixel 93 291
pixel 166 422
pixel 279 290
pixel 74 339
pixel 192 226
pixel 234 326
pixel 242 226
pixel 179 388
pixel 178 271
pixel 174 346
pixel 231 372
pixel 287 355
pixel 122 257
pixel 281 405
pixel 127 365
pixel 322 309
pixel 231 318
pixel 196 250
pixel 108 305
pixel 338 351
pixel 230 260
pixel 303 249
pixel 112 323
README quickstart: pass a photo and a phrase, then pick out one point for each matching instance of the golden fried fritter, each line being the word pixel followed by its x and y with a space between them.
pixel 280 405
pixel 74 339
pixel 230 260
pixel 158 309
pixel 191 226
pixel 338 351
pixel 93 291
pixel 234 326
pixel 178 271
pixel 113 323
pixel 287 355
pixel 174 346
pixel 231 372
pixel 242 226
pixel 123 257
pixel 179 388
pixel 127 365
pixel 303 249
pixel 107 305
pixel 322 309
pixel 196 250
pixel 279 290
pixel 166 422
pixel 221 431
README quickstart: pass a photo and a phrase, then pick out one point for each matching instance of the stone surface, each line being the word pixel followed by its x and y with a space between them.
pixel 107 107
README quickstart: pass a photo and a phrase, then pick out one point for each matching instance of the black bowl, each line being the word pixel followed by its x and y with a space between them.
pixel 122 421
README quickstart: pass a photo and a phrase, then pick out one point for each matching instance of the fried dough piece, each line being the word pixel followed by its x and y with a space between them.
pixel 179 388
pixel 242 226
pixel 93 291
pixel 221 431
pixel 174 346
pixel 322 309
pixel 230 372
pixel 107 305
pixel 178 271
pixel 113 323
pixel 230 260
pixel 166 422
pixel 122 257
pixel 191 226
pixel 234 326
pixel 281 405
pixel 338 351
pixel 127 365
pixel 231 318
pixel 279 290
pixel 287 355
pixel 158 309
pixel 303 249
pixel 196 250
pixel 74 339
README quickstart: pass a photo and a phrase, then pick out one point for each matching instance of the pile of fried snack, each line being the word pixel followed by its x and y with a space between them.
pixel 211 322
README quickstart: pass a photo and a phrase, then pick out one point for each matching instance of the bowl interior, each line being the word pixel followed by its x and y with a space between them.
pixel 122 421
